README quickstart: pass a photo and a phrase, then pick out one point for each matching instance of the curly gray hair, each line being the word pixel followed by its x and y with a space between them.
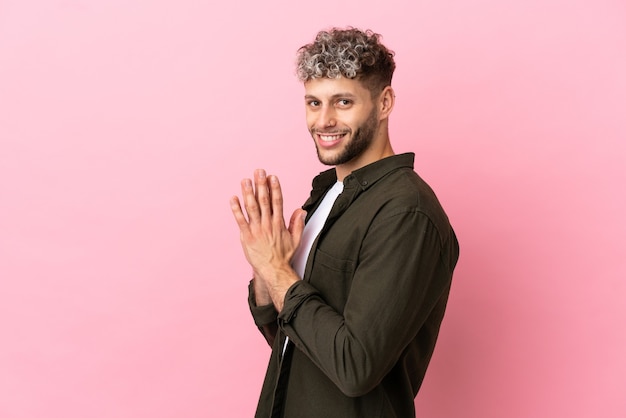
pixel 349 53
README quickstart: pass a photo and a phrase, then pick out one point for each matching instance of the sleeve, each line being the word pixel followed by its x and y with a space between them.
pixel 265 317
pixel 400 277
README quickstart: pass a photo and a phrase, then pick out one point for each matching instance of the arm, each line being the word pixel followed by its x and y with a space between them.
pixel 267 244
pixel 398 282
pixel 263 313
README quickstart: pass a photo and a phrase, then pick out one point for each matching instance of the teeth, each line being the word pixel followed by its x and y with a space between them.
pixel 329 138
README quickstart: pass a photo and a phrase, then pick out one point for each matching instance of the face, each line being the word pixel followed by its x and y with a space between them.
pixel 342 118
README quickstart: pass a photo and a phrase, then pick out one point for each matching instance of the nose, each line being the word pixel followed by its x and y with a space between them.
pixel 326 118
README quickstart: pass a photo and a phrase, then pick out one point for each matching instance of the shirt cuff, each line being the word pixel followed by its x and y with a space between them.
pixel 295 296
pixel 262 315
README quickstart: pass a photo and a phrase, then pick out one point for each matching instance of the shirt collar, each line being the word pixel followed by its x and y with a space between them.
pixel 365 176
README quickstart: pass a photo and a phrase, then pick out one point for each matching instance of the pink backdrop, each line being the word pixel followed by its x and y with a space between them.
pixel 125 126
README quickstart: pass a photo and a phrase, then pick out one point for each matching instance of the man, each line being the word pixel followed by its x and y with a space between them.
pixel 352 302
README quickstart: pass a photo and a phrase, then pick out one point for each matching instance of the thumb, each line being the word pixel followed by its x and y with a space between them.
pixel 296 226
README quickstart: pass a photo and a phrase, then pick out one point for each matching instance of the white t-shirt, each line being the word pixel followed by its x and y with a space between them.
pixel 311 231
pixel 313 228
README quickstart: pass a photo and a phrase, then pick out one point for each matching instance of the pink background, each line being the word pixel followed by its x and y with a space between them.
pixel 125 126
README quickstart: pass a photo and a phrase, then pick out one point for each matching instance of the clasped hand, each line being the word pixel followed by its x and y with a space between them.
pixel 267 242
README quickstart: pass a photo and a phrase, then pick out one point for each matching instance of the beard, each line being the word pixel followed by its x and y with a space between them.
pixel 361 139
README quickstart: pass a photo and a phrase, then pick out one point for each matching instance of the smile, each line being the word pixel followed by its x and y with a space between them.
pixel 330 138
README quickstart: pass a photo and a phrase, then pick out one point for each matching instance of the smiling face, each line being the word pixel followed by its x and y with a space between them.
pixel 345 122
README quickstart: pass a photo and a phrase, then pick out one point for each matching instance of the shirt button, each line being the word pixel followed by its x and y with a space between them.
pixel 364 183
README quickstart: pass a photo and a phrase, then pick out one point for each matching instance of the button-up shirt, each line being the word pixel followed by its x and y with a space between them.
pixel 363 322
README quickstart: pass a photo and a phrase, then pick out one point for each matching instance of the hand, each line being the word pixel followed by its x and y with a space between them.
pixel 267 243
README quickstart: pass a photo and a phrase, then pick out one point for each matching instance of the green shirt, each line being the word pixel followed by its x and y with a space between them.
pixel 363 322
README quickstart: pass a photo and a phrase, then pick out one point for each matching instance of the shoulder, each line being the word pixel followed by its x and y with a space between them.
pixel 403 192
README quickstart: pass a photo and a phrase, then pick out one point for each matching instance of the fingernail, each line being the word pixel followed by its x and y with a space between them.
pixel 260 173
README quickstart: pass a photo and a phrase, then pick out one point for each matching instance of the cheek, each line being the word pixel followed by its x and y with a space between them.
pixel 310 120
pixel 363 118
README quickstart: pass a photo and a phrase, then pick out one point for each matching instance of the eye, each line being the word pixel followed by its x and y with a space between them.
pixel 344 102
pixel 313 103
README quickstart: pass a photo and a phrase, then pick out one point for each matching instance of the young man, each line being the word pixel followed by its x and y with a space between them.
pixel 352 302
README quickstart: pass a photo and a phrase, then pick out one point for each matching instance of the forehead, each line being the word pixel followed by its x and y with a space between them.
pixel 331 87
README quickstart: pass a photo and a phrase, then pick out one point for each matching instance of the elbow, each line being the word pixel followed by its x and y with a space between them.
pixel 362 385
pixel 359 370
pixel 355 391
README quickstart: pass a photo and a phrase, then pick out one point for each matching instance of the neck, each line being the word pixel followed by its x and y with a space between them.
pixel 369 156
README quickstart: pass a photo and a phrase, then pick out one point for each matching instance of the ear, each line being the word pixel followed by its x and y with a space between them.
pixel 386 100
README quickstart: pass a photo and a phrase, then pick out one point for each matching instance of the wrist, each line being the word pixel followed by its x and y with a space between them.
pixel 284 280
pixel 261 293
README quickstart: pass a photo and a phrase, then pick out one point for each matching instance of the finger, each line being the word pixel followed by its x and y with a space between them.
pixel 262 194
pixel 296 226
pixel 277 201
pixel 240 218
pixel 250 202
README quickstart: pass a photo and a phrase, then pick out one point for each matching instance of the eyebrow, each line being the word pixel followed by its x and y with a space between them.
pixel 334 96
